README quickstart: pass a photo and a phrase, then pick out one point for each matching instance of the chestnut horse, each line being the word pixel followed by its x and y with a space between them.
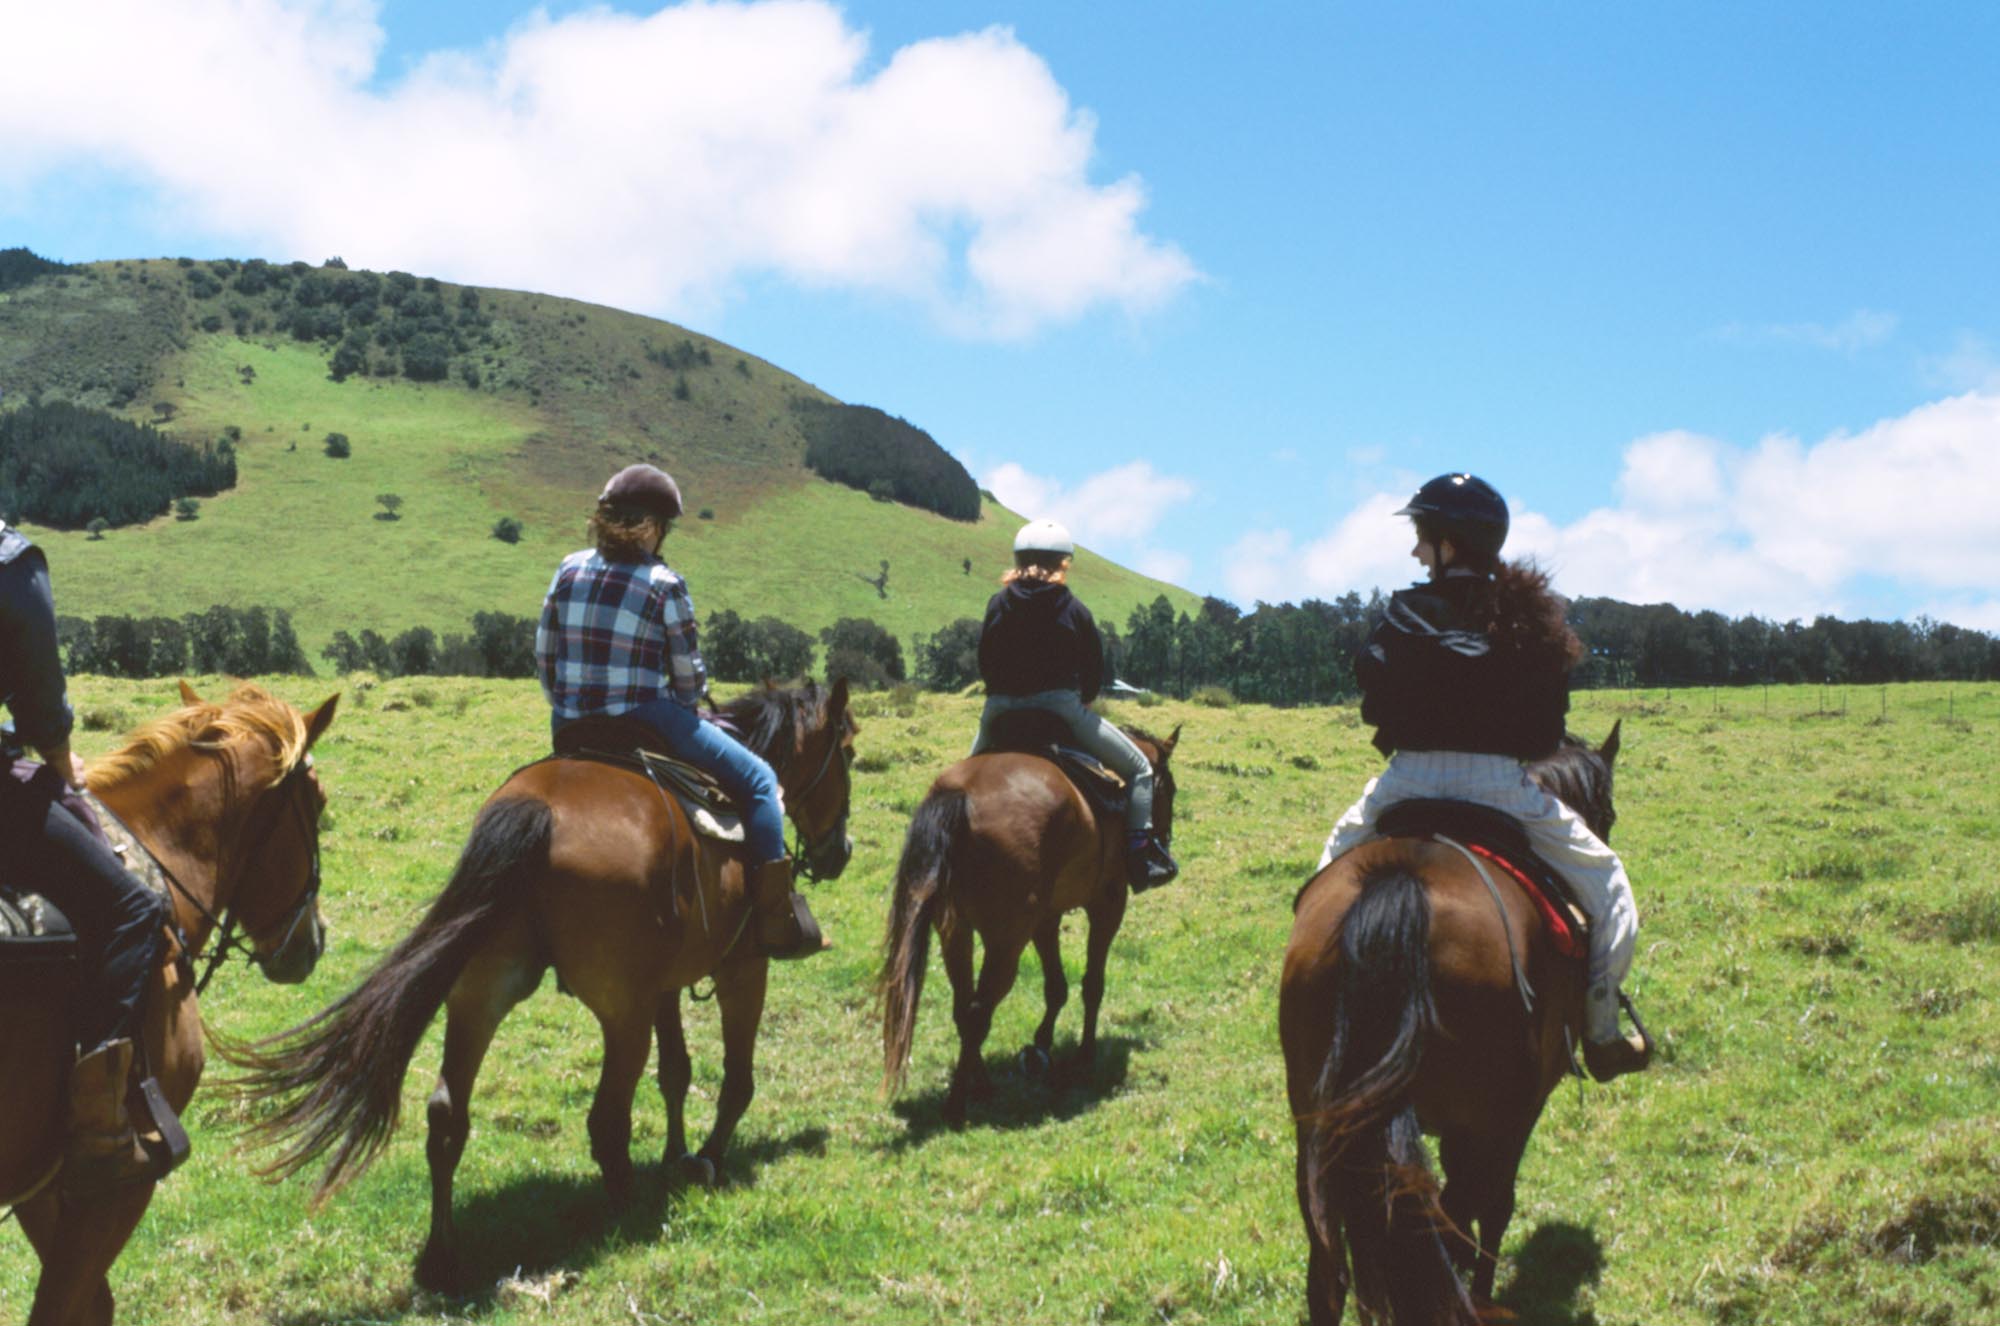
pixel 590 868
pixel 1003 845
pixel 225 797
pixel 1401 1013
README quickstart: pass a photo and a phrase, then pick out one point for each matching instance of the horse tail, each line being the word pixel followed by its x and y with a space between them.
pixel 337 1078
pixel 1368 1182
pixel 922 878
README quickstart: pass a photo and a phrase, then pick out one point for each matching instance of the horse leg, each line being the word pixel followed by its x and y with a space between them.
pixel 628 1041
pixel 676 1071
pixel 1035 1058
pixel 1105 915
pixel 1326 1263
pixel 955 947
pixel 495 980
pixel 77 1243
pixel 997 971
pixel 739 992
pixel 1479 1191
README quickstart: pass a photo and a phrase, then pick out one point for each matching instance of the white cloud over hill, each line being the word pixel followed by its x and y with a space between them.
pixel 650 162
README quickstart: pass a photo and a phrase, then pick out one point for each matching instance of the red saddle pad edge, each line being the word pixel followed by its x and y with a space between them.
pixel 1561 932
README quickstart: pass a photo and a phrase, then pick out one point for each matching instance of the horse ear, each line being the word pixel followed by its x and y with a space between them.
pixel 1173 740
pixel 187 693
pixel 320 719
pixel 836 699
pixel 1609 750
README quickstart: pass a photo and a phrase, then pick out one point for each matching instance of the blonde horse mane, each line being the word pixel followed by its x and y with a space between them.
pixel 249 714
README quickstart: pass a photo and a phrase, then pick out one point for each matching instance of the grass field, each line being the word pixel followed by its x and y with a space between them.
pixel 1820 940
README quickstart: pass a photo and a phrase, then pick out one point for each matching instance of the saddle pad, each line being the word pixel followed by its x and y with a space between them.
pixel 1103 789
pixel 32 926
pixel 1498 837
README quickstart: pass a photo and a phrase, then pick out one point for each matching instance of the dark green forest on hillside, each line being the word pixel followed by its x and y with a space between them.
pixel 886 457
pixel 68 466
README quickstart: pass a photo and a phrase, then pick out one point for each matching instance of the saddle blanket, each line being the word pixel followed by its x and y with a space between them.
pixel 31 926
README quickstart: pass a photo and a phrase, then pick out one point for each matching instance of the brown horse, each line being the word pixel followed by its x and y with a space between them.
pixel 1401 1012
pixel 589 868
pixel 1002 846
pixel 225 796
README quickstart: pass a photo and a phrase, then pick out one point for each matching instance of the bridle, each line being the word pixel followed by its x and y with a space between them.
pixel 223 927
pixel 801 857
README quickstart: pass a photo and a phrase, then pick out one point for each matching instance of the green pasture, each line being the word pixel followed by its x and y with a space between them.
pixel 1820 939
pixel 302 531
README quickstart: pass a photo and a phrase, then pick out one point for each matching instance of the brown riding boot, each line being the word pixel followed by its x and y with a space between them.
pixel 785 925
pixel 104 1151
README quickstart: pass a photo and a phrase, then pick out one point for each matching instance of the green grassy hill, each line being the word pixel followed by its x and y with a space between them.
pixel 546 398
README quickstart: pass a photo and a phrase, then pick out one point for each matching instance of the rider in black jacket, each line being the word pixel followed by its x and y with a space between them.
pixel 44 847
pixel 1040 649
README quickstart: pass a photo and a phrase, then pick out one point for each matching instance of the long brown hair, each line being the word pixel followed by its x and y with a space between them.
pixel 1521 612
pixel 627 534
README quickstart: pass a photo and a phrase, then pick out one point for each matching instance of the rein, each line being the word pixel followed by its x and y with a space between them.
pixel 801 859
pixel 224 926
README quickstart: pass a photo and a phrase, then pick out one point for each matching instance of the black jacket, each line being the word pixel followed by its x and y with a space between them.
pixel 1431 679
pixel 31 677
pixel 1039 637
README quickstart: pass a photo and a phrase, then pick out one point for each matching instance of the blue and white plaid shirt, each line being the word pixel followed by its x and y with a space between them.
pixel 614 635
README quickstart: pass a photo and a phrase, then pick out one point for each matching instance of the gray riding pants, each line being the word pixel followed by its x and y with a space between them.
pixel 1092 734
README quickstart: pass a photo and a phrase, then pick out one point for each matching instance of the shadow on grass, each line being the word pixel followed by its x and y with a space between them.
pixel 1555 1263
pixel 543 1223
pixel 1017 1100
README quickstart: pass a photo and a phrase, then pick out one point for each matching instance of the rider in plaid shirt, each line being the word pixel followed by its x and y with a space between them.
pixel 615 635
pixel 617 639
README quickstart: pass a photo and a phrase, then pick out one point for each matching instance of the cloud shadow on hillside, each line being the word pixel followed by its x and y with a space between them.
pixel 1556 1262
pixel 1017 1100
pixel 543 1223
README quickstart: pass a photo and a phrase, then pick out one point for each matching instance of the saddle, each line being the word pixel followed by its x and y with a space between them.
pixel 630 744
pixel 1497 837
pixel 1039 732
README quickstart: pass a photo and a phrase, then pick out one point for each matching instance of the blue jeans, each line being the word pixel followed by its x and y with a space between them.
pixel 742 772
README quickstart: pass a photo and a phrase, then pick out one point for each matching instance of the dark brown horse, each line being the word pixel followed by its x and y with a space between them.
pixel 225 797
pixel 588 868
pixel 1002 846
pixel 1401 1013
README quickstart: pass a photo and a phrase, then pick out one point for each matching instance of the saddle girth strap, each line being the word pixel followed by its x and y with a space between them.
pixel 1527 991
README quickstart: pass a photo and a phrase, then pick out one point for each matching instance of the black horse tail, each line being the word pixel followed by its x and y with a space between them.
pixel 1367 1178
pixel 922 878
pixel 337 1078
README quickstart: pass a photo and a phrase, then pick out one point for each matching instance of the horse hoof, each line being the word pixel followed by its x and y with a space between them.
pixel 437 1269
pixel 1034 1062
pixel 954 1111
pixel 698 1171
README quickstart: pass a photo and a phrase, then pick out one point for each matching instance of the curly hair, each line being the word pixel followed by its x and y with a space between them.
pixel 626 534
pixel 1521 612
pixel 1049 566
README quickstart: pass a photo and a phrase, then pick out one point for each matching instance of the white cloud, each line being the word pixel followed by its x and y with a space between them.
pixel 1119 506
pixel 1859 330
pixel 649 162
pixel 1970 365
pixel 1780 529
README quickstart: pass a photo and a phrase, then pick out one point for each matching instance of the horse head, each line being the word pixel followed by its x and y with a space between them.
pixel 1157 751
pixel 273 880
pixel 807 735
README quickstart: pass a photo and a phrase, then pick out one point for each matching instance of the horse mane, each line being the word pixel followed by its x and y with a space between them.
pixel 773 718
pixel 1576 775
pixel 249 714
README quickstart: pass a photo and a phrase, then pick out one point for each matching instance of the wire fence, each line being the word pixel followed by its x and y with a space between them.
pixel 1950 703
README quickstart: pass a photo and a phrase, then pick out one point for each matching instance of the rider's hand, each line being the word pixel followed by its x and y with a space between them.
pixel 66 764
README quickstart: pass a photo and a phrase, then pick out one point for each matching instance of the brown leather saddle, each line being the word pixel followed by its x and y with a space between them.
pixel 1499 837
pixel 1039 732
pixel 630 744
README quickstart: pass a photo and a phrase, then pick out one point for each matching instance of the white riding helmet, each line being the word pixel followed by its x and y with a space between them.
pixel 1044 536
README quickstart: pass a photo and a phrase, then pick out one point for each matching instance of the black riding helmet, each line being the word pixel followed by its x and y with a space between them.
pixel 1465 509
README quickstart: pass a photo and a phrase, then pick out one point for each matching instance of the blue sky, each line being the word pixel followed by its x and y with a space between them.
pixel 1708 290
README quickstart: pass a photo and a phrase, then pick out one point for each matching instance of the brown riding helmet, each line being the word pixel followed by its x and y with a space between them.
pixel 645 488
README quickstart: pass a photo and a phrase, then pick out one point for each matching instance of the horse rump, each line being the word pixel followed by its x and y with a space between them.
pixel 336 1079
pixel 1365 1180
pixel 922 877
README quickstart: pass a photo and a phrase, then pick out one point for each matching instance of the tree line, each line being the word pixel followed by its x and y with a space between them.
pixel 886 457
pixel 66 466
pixel 1279 654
